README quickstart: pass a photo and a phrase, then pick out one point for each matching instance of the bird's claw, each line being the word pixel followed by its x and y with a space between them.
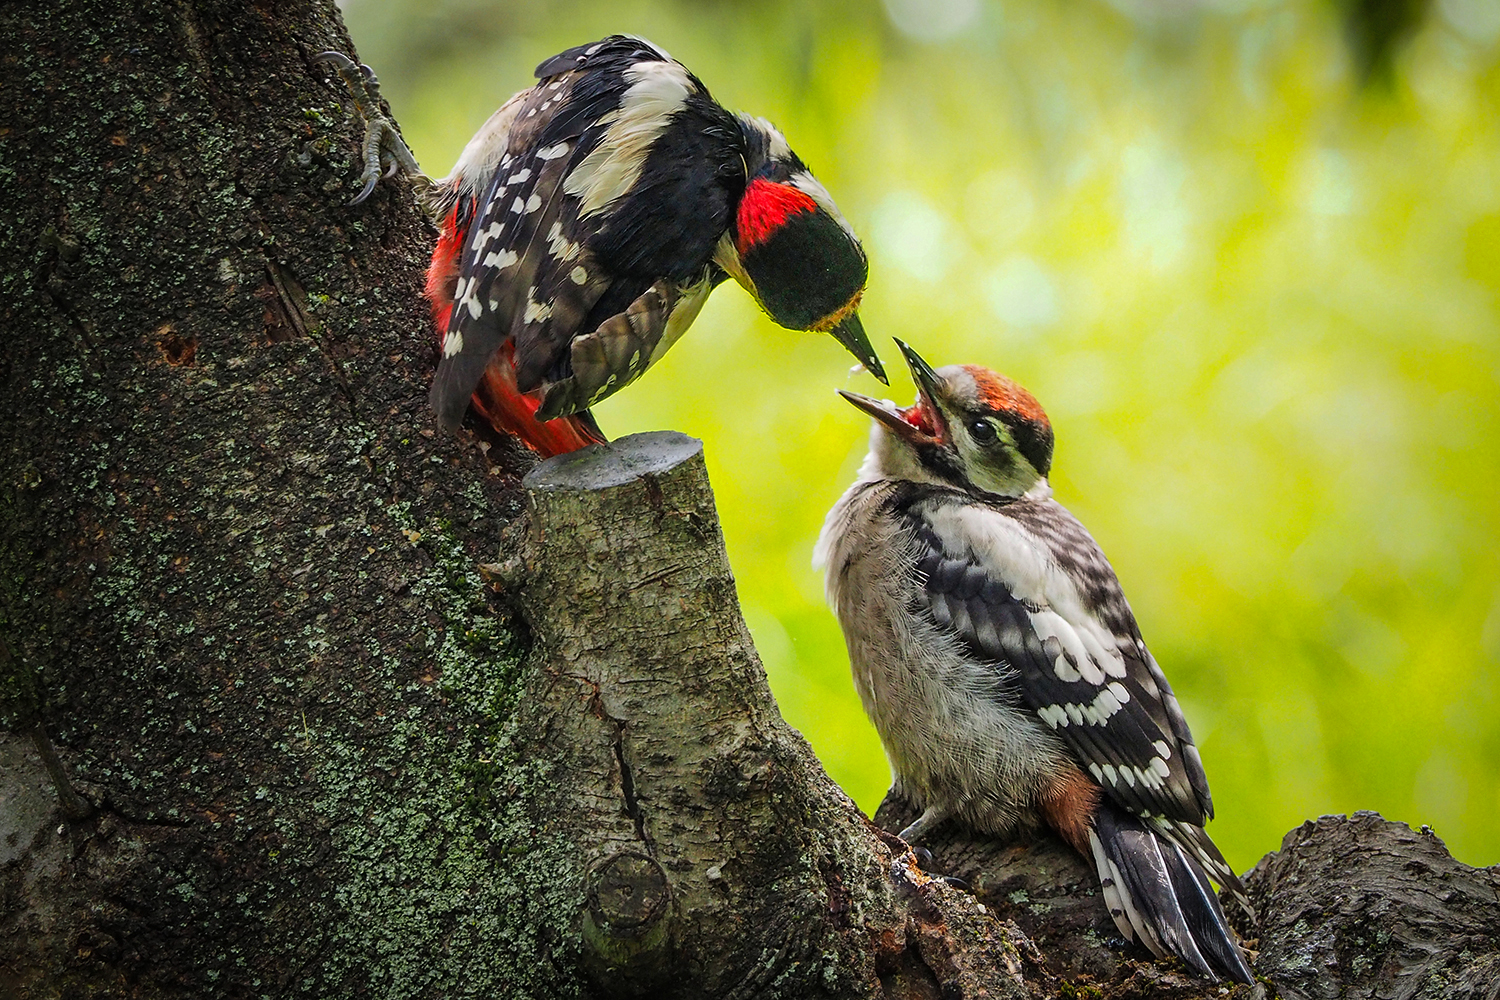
pixel 384 151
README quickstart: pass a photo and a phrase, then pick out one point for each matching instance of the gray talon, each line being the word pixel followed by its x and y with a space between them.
pixel 384 151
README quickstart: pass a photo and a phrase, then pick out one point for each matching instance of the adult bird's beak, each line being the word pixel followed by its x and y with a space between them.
pixel 921 422
pixel 851 333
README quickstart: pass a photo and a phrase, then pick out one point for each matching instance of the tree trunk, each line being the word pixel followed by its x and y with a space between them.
pixel 300 704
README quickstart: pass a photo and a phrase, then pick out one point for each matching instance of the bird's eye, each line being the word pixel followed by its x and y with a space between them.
pixel 983 431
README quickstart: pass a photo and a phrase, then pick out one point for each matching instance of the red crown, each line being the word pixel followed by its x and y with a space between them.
pixel 1002 395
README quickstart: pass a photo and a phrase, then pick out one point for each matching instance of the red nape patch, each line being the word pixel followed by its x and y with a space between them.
pixel 765 208
pixel 1003 395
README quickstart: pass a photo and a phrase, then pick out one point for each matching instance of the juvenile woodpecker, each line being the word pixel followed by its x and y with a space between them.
pixel 587 221
pixel 995 653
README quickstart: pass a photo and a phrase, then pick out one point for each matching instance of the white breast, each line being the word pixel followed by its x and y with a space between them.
pixel 952 727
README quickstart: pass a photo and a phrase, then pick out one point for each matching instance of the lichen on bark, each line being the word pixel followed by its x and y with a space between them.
pixel 345 728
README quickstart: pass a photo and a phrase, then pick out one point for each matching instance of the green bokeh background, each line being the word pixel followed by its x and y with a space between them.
pixel 1256 293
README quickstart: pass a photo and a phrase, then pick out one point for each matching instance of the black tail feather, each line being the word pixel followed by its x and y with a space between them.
pixel 1158 892
pixel 1205 917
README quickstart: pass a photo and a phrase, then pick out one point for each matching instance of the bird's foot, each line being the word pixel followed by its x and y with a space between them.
pixel 385 152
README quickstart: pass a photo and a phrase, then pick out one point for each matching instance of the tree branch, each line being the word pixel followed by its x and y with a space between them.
pixel 241 586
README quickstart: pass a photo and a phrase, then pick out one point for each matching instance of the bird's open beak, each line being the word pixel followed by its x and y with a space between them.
pixel 851 333
pixel 920 423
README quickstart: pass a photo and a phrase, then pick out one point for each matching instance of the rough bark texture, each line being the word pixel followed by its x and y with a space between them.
pixel 315 749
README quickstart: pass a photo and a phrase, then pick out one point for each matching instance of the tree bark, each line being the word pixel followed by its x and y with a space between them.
pixel 299 702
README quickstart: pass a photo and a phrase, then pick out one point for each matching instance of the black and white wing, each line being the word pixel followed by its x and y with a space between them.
pixel 619 172
pixel 1025 585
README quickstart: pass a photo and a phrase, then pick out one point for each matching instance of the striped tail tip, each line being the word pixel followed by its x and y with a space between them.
pixel 1157 892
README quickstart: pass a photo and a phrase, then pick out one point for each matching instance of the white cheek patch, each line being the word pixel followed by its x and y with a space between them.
pixel 777 147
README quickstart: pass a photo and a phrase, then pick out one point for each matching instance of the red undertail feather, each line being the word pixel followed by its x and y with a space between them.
pixel 496 398
pixel 511 411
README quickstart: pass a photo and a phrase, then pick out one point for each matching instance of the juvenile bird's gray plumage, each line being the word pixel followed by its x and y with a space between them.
pixel 996 654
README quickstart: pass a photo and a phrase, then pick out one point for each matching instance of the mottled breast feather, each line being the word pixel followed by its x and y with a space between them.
pixel 1057 617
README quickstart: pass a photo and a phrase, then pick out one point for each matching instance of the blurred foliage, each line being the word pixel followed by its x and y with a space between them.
pixel 1258 299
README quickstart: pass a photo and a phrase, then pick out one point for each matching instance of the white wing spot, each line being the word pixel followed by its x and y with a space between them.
pixel 1161 747
pixel 1111 775
pixel 1160 767
pixel 501 259
pixel 560 248
pixel 1096 772
pixel 453 343
pixel 518 205
pixel 464 289
pixel 1064 670
pixel 579 275
pixel 537 311
pixel 552 152
pixel 522 176
pixel 483 236
pixel 533 203
pixel 1053 715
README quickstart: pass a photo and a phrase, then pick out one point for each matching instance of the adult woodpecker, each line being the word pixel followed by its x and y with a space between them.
pixel 587 221
pixel 996 655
